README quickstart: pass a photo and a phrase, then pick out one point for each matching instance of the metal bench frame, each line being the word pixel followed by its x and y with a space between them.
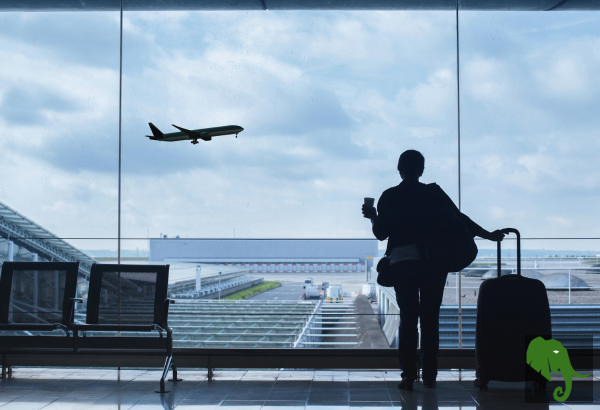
pixel 121 345
pixel 76 344
pixel 40 342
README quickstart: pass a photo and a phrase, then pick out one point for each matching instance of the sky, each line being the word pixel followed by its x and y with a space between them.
pixel 328 101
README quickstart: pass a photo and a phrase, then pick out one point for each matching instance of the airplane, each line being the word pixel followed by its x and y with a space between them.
pixel 205 134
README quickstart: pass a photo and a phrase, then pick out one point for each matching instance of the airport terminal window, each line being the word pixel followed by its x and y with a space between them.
pixel 327 101
pixel 59 120
pixel 528 132
pixel 59 99
pixel 529 121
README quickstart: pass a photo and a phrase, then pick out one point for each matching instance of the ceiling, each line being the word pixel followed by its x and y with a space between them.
pixel 134 5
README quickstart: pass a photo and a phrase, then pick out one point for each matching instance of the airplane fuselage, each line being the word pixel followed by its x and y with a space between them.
pixel 203 132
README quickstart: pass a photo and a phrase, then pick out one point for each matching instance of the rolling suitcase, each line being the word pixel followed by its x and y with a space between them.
pixel 511 311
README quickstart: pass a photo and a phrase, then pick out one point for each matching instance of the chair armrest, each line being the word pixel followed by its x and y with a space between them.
pixel 63 328
pixel 72 302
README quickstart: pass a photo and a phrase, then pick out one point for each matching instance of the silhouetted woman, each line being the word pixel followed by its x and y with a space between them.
pixel 419 288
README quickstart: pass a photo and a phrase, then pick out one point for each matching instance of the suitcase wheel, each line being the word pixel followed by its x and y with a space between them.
pixel 539 385
pixel 481 384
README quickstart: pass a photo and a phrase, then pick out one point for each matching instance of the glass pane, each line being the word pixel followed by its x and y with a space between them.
pixel 328 101
pixel 59 113
pixel 324 122
pixel 529 143
pixel 529 121
pixel 59 103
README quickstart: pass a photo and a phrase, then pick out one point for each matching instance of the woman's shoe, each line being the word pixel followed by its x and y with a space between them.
pixel 429 383
pixel 406 383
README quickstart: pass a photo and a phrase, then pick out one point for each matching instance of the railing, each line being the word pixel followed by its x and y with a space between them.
pixel 568 288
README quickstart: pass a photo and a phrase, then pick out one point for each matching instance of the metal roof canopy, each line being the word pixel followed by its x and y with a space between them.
pixel 33 237
pixel 170 5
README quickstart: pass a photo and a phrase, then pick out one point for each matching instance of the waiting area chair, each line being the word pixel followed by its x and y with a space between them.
pixel 37 301
pixel 130 300
pixel 126 312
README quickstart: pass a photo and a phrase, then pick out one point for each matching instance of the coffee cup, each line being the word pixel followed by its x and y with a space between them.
pixel 370 202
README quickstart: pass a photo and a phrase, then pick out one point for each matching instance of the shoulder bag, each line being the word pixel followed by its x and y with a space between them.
pixel 446 242
pixel 384 273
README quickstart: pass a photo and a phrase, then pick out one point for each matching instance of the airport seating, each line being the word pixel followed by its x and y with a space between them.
pixel 37 301
pixel 129 301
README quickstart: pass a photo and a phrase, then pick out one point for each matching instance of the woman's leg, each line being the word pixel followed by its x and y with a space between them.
pixel 432 291
pixel 407 296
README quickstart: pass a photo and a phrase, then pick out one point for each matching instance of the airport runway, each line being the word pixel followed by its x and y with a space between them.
pixel 287 291
pixel 351 281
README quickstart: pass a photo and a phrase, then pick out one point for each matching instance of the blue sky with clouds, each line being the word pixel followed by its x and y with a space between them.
pixel 328 101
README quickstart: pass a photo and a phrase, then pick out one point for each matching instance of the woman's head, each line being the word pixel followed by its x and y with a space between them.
pixel 411 164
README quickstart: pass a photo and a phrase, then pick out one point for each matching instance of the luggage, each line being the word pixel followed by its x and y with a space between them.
pixel 512 310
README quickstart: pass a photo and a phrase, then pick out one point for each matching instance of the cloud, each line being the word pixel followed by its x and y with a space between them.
pixel 89 38
pixel 328 101
pixel 432 99
pixel 560 221
pixel 32 106
pixel 497 212
pixel 492 164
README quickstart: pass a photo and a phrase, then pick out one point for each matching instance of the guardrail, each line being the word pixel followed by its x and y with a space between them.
pixel 513 270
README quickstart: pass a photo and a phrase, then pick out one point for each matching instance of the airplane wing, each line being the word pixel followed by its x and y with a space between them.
pixel 193 134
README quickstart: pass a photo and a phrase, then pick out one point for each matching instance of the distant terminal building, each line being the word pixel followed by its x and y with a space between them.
pixel 270 255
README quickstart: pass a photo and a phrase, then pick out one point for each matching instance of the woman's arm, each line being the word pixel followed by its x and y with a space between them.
pixel 477 230
pixel 378 218
pixel 474 228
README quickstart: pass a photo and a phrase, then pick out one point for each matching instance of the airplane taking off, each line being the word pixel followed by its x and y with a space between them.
pixel 205 134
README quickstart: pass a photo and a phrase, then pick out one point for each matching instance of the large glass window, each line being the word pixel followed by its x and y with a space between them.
pixel 529 125
pixel 528 101
pixel 59 101
pixel 59 129
pixel 327 100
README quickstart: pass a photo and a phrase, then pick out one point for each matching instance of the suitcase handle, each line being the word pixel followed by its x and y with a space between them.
pixel 506 231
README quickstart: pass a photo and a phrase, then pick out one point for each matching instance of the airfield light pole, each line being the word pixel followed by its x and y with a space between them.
pixel 219 286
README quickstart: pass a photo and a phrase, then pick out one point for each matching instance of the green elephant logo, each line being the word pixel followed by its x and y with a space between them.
pixel 547 356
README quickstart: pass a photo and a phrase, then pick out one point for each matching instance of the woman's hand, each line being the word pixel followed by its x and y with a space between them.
pixel 369 212
pixel 496 236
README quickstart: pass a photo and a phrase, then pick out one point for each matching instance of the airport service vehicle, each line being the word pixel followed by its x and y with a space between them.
pixel 370 292
pixel 512 310
pixel 204 134
pixel 335 293
pixel 311 292
pixel 308 281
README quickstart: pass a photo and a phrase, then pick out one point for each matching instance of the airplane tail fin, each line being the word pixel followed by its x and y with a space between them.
pixel 156 132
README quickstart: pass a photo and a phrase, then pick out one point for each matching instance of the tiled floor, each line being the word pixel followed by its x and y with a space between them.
pixel 71 389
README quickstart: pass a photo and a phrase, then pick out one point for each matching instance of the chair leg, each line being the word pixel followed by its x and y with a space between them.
pixel 164 375
pixel 6 368
pixel 210 370
pixel 175 378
